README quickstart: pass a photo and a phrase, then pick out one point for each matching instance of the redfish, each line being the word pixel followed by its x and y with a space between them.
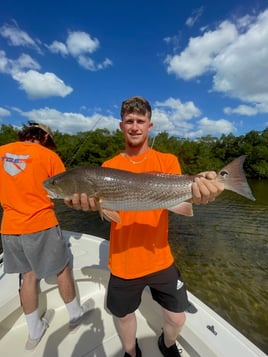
pixel 117 190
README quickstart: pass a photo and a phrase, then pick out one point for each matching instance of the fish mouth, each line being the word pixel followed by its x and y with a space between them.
pixel 51 194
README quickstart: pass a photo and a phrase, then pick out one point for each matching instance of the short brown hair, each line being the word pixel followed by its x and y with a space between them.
pixel 136 105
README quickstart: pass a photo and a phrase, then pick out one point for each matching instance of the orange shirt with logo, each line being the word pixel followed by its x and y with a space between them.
pixel 139 244
pixel 26 206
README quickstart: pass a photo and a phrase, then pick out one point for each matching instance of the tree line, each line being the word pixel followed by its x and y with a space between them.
pixel 205 153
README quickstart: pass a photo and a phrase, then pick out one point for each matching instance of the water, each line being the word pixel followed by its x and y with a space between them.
pixel 221 252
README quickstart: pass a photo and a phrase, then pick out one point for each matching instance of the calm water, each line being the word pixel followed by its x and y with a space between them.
pixel 221 252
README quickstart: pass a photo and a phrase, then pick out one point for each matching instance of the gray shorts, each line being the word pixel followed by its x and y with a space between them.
pixel 45 252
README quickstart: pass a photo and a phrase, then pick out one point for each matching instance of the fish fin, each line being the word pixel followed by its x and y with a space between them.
pixel 107 214
pixel 110 215
pixel 184 209
pixel 234 179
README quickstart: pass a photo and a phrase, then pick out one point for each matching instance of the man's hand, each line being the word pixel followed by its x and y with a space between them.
pixel 81 202
pixel 205 189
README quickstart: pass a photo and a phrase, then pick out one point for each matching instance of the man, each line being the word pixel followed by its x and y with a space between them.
pixel 140 254
pixel 32 241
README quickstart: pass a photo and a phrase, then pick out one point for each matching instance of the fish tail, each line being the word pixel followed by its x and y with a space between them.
pixel 234 179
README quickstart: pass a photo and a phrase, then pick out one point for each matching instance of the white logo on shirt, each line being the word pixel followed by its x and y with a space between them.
pixel 14 164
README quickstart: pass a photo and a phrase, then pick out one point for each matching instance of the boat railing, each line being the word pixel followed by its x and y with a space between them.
pixel 1 258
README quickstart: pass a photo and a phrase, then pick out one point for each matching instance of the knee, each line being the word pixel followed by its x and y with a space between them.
pixel 175 319
pixel 126 318
pixel 29 277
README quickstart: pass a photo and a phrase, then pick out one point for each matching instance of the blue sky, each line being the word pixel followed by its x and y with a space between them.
pixel 203 65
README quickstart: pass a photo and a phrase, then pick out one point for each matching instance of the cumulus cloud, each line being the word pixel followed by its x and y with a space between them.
pixel 171 116
pixel 26 71
pixel 214 127
pixel 58 47
pixel 81 46
pixel 198 57
pixel 23 62
pixel 41 85
pixel 80 42
pixel 235 54
pixel 179 118
pixel 69 122
pixel 174 117
pixel 17 37
pixel 35 84
pixel 241 109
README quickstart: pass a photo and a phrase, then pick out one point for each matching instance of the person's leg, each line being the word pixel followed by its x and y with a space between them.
pixel 127 327
pixel 123 299
pixel 68 294
pixel 29 292
pixel 66 285
pixel 76 312
pixel 29 301
pixel 169 291
pixel 172 325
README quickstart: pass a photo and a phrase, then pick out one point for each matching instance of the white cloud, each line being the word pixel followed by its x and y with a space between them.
pixel 35 84
pixel 81 46
pixel 178 119
pixel 80 42
pixel 236 54
pixel 198 57
pixel 241 70
pixel 17 37
pixel 191 21
pixel 71 123
pixel 242 110
pixel 10 66
pixel 3 62
pixel 171 116
pixel 58 47
pixel 4 112
pixel 212 127
pixel 174 117
pixel 38 85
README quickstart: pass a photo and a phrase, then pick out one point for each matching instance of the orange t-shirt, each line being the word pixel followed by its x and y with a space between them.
pixel 139 244
pixel 26 205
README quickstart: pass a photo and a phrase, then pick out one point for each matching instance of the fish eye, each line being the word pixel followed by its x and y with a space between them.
pixel 224 173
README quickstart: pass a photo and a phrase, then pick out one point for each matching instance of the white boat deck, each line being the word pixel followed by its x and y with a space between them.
pixel 98 336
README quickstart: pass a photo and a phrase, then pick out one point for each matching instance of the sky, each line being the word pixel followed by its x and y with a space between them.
pixel 203 65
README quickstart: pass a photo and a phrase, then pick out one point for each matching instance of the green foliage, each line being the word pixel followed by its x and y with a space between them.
pixel 202 154
pixel 8 134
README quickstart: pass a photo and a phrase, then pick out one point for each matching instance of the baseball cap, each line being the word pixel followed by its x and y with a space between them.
pixel 43 127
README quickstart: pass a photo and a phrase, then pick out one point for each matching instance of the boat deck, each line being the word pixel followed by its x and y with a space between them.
pixel 97 336
pixel 205 333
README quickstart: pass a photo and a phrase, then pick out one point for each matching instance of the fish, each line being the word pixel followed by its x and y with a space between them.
pixel 117 190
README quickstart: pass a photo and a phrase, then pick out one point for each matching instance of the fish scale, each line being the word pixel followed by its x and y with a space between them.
pixel 118 190
pixel 123 190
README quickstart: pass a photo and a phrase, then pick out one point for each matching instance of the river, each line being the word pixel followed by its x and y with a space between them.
pixel 221 252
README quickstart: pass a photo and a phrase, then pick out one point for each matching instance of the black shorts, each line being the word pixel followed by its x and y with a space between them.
pixel 167 288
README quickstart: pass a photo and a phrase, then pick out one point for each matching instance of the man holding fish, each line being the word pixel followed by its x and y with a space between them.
pixel 140 254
